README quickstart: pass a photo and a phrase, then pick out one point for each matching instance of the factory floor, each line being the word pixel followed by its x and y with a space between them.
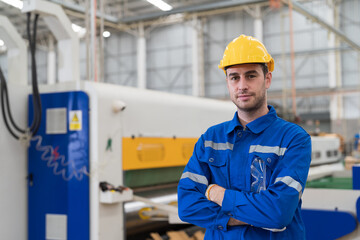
pixel 163 231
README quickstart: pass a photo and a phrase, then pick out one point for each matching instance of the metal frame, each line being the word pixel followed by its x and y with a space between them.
pixel 16 53
pixel 67 41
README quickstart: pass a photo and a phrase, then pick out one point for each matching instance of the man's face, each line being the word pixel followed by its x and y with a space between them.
pixel 247 86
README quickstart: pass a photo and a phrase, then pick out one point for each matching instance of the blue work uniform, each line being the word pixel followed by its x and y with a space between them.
pixel 223 155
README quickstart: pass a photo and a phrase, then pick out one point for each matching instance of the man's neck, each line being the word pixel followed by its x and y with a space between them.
pixel 247 117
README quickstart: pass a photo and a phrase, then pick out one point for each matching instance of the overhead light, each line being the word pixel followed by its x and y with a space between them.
pixel 106 34
pixel 161 4
pixel 15 3
pixel 2 46
pixel 79 30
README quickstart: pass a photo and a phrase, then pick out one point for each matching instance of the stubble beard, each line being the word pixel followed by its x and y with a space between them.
pixel 258 103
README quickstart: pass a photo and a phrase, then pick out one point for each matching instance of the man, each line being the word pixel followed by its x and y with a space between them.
pixel 246 176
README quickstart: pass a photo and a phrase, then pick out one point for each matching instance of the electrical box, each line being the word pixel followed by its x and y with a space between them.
pixel 58 168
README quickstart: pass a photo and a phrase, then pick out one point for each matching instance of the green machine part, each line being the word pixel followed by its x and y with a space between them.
pixel 331 183
pixel 151 177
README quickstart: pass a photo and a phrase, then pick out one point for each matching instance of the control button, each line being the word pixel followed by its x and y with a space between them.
pixel 211 160
pixel 220 227
pixel 239 134
pixel 269 160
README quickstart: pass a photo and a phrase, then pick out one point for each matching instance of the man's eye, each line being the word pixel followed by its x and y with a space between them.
pixel 251 76
pixel 234 78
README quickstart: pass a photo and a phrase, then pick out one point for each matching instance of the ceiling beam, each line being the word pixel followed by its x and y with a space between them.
pixel 159 14
pixel 314 92
pixel 302 10
pixel 122 23
pixel 128 24
pixel 192 8
pixel 81 9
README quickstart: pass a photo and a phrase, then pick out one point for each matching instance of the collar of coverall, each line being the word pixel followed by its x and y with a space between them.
pixel 256 126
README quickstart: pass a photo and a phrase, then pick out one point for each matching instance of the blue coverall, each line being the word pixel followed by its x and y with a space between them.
pixel 223 155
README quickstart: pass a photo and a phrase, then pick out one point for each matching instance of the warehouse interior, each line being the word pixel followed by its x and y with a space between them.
pixel 147 76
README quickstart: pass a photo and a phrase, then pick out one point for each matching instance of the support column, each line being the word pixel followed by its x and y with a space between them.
pixel 258 23
pixel 88 41
pixel 102 44
pixel 141 57
pixel 284 77
pixel 255 12
pixel 198 74
pixel 16 53
pixel 331 55
pixel 334 63
pixel 93 55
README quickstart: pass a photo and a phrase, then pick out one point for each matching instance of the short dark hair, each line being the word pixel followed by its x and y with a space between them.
pixel 264 67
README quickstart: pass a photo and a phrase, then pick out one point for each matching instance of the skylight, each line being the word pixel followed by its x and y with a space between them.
pixel 161 4
pixel 15 3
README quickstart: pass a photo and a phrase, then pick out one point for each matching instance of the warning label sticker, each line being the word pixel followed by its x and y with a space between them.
pixel 75 120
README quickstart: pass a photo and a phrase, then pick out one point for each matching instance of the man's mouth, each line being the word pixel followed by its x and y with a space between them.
pixel 244 97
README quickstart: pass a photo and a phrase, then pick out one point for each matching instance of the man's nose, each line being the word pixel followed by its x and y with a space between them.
pixel 242 85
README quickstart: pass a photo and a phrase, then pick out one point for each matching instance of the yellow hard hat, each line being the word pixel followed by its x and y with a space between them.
pixel 246 49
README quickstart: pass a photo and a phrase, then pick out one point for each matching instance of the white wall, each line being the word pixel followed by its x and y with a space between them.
pixel 120 59
pixel 13 171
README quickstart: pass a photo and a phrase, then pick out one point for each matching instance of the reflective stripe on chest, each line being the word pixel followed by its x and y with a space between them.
pixel 267 149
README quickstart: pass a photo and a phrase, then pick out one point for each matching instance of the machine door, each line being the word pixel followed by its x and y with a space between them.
pixel 59 168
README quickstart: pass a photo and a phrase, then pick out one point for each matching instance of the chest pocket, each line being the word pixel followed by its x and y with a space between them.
pixel 216 161
pixel 270 159
pixel 270 162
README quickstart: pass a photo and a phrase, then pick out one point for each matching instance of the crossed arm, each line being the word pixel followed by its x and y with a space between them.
pixel 278 203
pixel 215 193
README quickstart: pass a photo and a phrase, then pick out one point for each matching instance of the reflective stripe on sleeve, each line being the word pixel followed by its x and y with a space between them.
pixel 275 229
pixel 290 182
pixel 219 146
pixel 266 149
pixel 195 177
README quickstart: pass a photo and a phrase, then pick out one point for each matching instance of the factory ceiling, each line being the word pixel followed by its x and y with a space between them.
pixel 127 15
pixel 122 14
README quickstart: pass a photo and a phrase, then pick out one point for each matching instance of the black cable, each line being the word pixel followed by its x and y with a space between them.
pixel 36 95
pixel 35 82
pixel 5 103
pixel 33 123
pixel 3 93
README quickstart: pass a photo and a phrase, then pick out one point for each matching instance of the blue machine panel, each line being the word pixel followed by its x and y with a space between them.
pixel 356 177
pixel 58 168
pixel 323 224
pixel 358 209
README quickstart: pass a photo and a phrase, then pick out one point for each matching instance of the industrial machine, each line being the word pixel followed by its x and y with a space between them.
pixel 325 150
pixel 93 133
pixel 100 145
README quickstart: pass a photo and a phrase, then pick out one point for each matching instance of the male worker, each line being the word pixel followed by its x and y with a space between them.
pixel 246 176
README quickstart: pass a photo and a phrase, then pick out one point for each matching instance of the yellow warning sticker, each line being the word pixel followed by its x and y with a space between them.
pixel 75 120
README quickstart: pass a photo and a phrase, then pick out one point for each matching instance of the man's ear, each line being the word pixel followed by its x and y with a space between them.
pixel 268 78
